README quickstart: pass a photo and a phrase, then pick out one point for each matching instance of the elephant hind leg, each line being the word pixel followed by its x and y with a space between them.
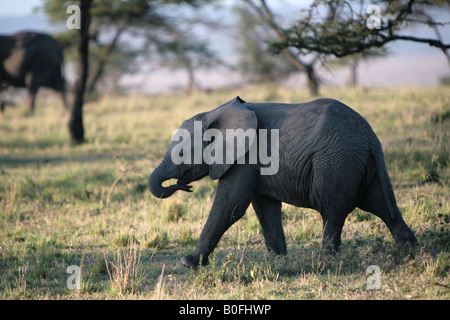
pixel 32 98
pixel 32 84
pixel 334 195
pixel 333 222
pixel 374 202
pixel 268 212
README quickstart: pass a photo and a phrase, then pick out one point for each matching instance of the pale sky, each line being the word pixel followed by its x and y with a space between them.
pixel 17 7
pixel 409 63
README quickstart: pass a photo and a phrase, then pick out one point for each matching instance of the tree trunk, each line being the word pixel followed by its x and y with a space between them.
pixel 353 82
pixel 76 117
pixel 192 84
pixel 266 15
pixel 308 69
pixel 313 82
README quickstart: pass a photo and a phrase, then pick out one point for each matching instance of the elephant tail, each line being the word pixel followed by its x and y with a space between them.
pixel 388 192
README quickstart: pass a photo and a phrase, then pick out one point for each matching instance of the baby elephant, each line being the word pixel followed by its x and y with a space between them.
pixel 320 155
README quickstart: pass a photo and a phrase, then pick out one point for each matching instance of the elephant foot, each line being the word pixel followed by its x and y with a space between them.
pixel 188 262
pixel 403 235
pixel 193 261
pixel 278 247
pixel 330 245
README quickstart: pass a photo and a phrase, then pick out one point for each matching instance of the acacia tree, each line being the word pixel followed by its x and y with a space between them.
pixel 255 62
pixel 147 20
pixel 358 26
pixel 290 53
pixel 181 49
pixel 110 20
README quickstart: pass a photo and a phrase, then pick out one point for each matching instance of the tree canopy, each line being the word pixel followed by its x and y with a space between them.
pixel 149 21
pixel 342 28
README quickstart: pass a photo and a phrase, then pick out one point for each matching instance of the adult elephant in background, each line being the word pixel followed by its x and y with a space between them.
pixel 32 60
pixel 324 156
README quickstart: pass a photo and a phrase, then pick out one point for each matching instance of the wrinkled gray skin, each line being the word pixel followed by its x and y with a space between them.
pixel 31 60
pixel 330 161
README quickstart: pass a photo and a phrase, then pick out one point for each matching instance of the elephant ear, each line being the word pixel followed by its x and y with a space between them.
pixel 228 119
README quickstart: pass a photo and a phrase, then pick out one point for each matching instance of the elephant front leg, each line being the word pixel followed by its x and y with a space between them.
pixel 219 220
pixel 215 227
pixel 230 204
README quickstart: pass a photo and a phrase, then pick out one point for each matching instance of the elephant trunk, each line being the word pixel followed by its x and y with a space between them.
pixel 162 173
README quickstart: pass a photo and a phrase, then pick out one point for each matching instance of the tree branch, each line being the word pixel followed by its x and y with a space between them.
pixel 341 36
pixel 92 80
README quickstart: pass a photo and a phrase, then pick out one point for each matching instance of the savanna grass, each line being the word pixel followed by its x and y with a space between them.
pixel 88 205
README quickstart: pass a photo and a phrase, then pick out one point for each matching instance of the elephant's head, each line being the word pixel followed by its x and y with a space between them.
pixel 198 148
